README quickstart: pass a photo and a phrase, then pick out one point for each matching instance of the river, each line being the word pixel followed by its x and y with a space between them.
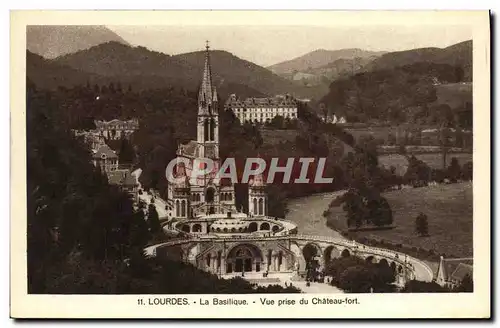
pixel 307 214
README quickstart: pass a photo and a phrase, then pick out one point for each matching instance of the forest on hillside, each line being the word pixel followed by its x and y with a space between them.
pixel 405 94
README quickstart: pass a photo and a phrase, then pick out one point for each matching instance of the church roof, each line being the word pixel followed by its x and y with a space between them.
pixel 207 96
pixel 456 269
pixel 104 151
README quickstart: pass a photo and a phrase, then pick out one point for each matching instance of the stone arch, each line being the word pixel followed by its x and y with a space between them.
pixel 252 227
pixel 233 229
pixel 370 259
pixel 383 262
pixel 275 228
pixel 310 252
pixel 345 253
pixel 244 258
pixel 265 226
pixel 330 253
pixel 196 227
pixel 224 230
pixel 218 229
pixel 186 228
pixel 240 229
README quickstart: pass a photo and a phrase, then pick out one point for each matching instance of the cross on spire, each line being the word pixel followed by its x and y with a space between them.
pixel 207 45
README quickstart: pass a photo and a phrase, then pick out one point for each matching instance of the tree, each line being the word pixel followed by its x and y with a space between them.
pixel 454 172
pixel 356 279
pixel 466 285
pixel 416 286
pixel 153 219
pixel 422 225
pixel 467 171
pixel 380 212
pixel 126 154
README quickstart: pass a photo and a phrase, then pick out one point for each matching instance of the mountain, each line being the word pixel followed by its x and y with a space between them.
pixel 340 68
pixel 50 75
pixel 319 58
pixel 459 55
pixel 51 41
pixel 144 68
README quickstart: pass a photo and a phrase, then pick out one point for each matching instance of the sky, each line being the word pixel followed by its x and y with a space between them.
pixel 268 45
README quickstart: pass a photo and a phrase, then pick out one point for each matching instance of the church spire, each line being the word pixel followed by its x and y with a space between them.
pixel 207 95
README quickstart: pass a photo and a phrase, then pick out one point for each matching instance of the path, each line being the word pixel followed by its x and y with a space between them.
pixel 160 204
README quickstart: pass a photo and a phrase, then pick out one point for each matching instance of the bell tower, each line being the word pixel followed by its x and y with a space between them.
pixel 208 113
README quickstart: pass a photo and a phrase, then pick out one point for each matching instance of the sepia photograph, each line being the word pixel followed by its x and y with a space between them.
pixel 194 159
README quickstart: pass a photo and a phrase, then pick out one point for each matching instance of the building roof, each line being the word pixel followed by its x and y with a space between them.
pixel 190 149
pixel 131 124
pixel 461 271
pixel 456 269
pixel 277 101
pixel 104 152
pixel 122 178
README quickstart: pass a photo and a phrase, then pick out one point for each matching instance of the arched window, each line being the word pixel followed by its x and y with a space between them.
pixel 261 206
pixel 264 226
pixel 183 208
pixel 205 130
pixel 177 209
pixel 212 129
pixel 255 206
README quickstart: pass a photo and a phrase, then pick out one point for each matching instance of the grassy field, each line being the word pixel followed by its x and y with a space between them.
pixel 449 211
pixel 433 160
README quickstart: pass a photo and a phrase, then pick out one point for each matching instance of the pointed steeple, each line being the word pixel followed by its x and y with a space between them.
pixel 207 95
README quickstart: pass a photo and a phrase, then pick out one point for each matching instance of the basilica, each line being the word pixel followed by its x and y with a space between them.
pixel 207 194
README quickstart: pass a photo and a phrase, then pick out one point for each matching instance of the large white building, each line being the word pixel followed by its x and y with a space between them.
pixel 262 110
pixel 116 129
